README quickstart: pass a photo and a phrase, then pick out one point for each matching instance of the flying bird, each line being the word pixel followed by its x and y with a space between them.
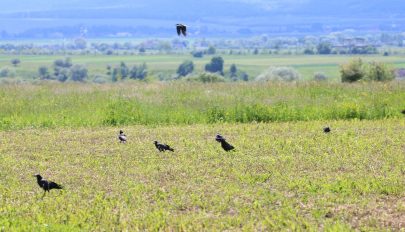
pixel 122 137
pixel 326 129
pixel 47 185
pixel 181 29
pixel 224 144
pixel 163 147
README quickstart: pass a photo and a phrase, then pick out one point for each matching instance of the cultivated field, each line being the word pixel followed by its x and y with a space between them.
pixel 252 64
pixel 282 176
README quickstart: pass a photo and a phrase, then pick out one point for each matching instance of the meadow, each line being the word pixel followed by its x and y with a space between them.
pixel 286 174
pixel 282 176
pixel 176 103
pixel 307 65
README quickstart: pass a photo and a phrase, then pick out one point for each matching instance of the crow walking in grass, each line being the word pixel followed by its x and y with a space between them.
pixel 224 144
pixel 403 112
pixel 163 147
pixel 181 29
pixel 122 137
pixel 326 130
pixel 47 185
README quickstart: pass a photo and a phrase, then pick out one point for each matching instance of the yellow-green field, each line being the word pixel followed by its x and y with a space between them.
pixel 252 64
pixel 282 176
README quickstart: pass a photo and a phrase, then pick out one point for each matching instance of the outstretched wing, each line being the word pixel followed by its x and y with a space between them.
pixel 178 27
pixel 184 30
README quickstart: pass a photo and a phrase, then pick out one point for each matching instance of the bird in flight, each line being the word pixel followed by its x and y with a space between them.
pixel 181 29
pixel 47 185
pixel 224 144
pixel 122 137
pixel 163 147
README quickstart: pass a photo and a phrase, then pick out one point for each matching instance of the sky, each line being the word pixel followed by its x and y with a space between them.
pixel 225 16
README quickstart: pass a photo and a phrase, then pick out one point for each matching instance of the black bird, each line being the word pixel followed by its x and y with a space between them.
pixel 326 129
pixel 181 29
pixel 403 112
pixel 122 137
pixel 224 144
pixel 163 147
pixel 47 185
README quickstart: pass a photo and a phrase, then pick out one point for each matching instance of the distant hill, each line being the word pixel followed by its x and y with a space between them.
pixel 213 17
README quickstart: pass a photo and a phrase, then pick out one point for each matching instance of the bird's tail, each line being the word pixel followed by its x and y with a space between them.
pixel 171 149
pixel 58 186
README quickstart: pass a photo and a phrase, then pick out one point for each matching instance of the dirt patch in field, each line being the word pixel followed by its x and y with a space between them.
pixel 385 213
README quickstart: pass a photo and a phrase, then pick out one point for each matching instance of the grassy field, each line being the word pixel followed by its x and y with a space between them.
pixel 252 64
pixel 132 103
pixel 282 176
pixel 286 174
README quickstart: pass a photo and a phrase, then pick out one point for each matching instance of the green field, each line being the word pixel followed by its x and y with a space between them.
pixel 286 174
pixel 282 176
pixel 252 64
pixel 173 103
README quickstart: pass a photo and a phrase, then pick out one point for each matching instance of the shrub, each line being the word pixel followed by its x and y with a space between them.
pixel 208 78
pixel 279 74
pixel 6 72
pixel 379 72
pixel 352 71
pixel 15 62
pixel 320 76
pixel 78 72
pixel 185 68
pixel 216 65
pixel 197 54
pixel 43 72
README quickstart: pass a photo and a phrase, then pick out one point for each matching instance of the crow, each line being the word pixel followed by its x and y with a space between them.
pixel 47 185
pixel 326 129
pixel 224 144
pixel 403 112
pixel 181 29
pixel 122 137
pixel 163 147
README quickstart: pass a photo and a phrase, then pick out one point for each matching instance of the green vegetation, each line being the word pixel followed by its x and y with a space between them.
pixel 166 65
pixel 129 103
pixel 357 70
pixel 283 176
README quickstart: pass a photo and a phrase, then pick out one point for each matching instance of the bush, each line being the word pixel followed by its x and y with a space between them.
pixel 324 48
pixel 216 65
pixel 197 54
pixel 43 72
pixel 7 72
pixel 185 68
pixel 320 76
pixel 279 74
pixel 78 72
pixel 15 62
pixel 379 72
pixel 352 71
pixel 208 78
pixel 66 63
pixel 139 72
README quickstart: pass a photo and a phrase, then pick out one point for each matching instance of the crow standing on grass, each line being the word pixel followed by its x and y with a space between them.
pixel 181 29
pixel 163 147
pixel 47 185
pixel 122 137
pixel 224 144
pixel 326 129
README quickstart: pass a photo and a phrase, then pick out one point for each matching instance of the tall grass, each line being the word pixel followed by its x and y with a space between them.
pixel 77 105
